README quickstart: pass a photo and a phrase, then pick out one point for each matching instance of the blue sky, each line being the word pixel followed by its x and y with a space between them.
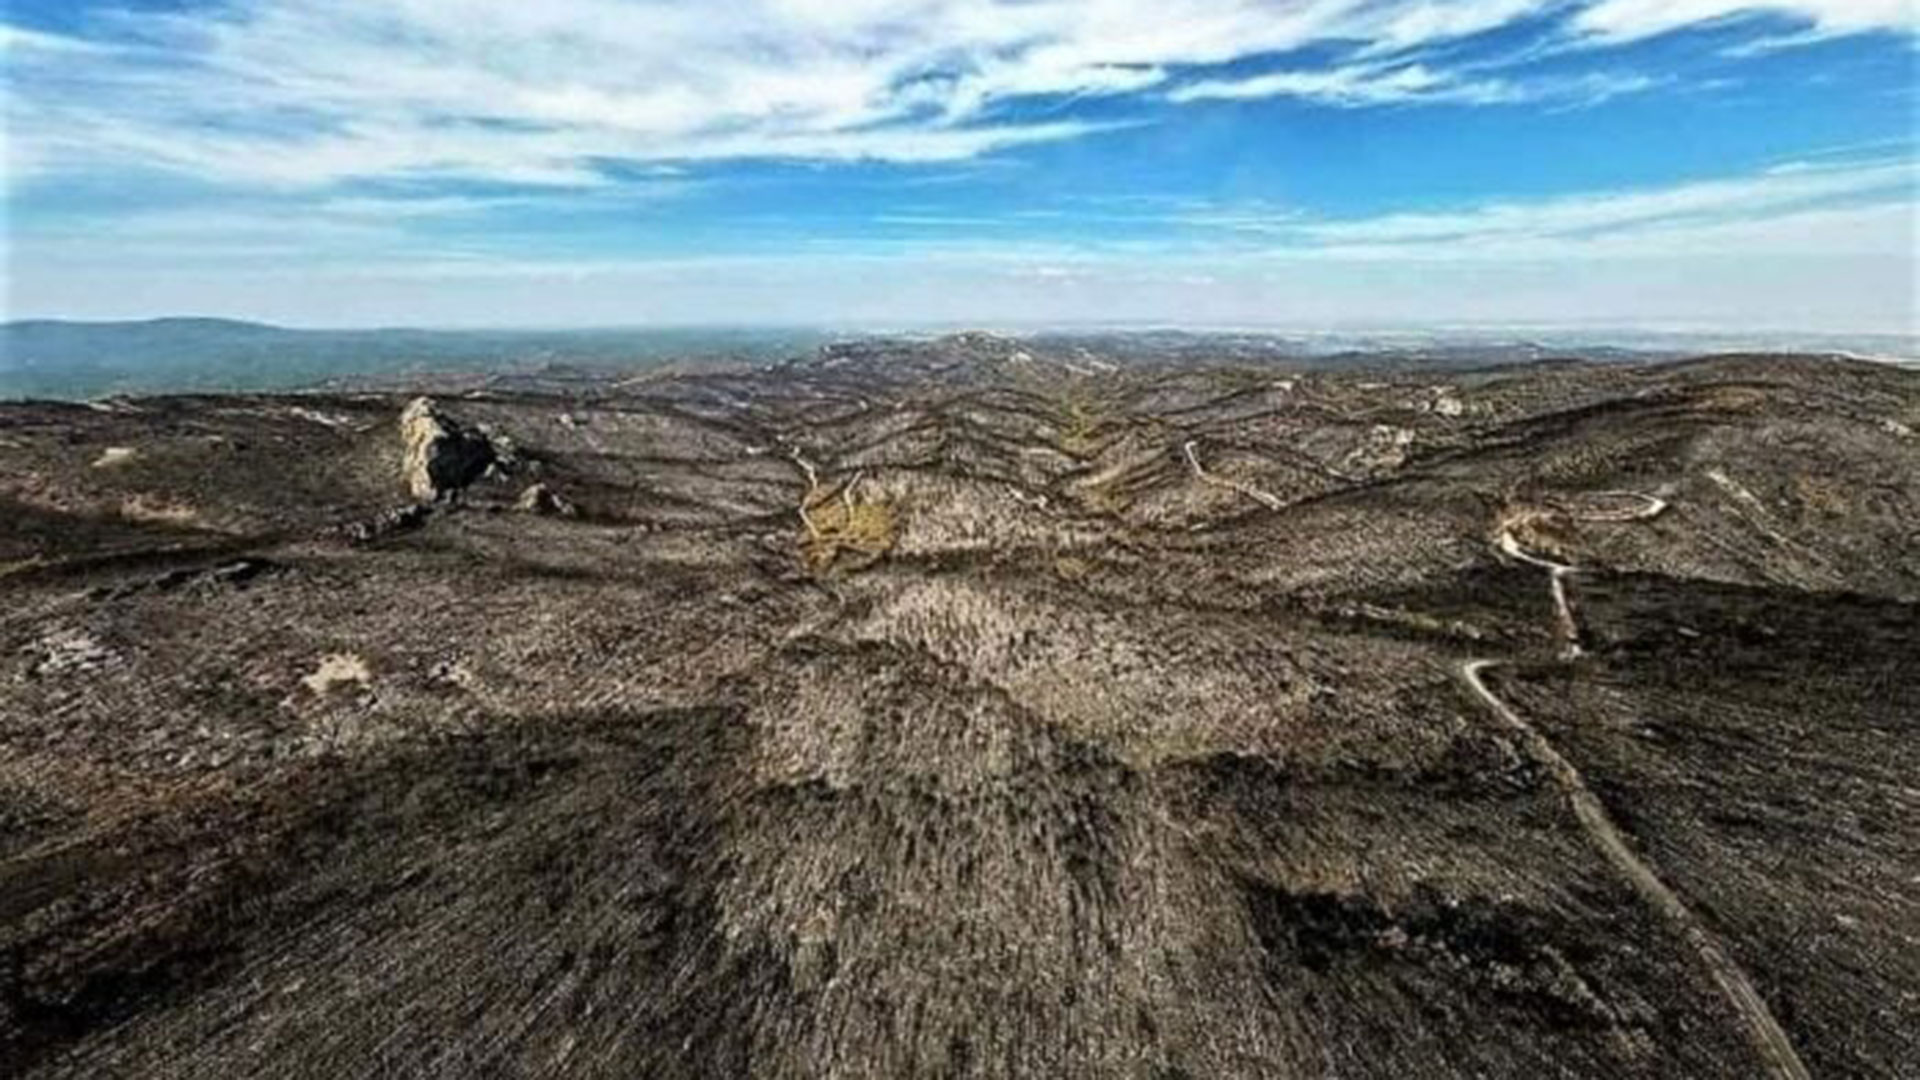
pixel 1297 163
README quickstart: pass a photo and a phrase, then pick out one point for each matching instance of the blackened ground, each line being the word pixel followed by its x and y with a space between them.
pixel 1099 717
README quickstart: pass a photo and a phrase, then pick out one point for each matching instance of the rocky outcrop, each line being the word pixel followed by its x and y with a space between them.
pixel 541 499
pixel 442 456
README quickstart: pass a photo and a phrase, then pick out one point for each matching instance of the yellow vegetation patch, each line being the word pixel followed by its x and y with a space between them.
pixel 861 528
pixel 1081 429
pixel 1821 494
pixel 158 510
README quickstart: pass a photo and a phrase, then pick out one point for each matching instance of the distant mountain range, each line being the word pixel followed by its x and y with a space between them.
pixel 61 359
pixel 49 358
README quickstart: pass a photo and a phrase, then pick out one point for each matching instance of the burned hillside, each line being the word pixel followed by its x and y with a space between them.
pixel 969 707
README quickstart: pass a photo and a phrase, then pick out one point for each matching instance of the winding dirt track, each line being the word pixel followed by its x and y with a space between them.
pixel 1200 473
pixel 1564 623
pixel 1768 1038
pixel 1563 620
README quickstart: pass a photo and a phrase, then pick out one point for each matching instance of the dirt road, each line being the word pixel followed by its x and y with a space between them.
pixel 1200 473
pixel 1564 622
pixel 1764 1031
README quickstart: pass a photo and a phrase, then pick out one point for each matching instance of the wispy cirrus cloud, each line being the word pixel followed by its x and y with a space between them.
pixel 1732 251
pixel 317 92
pixel 1628 20
pixel 1361 86
pixel 1804 209
pixel 1814 208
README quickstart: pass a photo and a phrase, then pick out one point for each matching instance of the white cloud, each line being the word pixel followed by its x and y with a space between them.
pixel 15 40
pixel 1627 20
pixel 1859 208
pixel 317 91
pixel 1850 208
pixel 1773 189
pixel 313 92
pixel 1736 291
pixel 1344 86
pixel 1368 84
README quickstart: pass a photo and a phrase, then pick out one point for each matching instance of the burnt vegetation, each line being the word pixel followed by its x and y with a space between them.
pixel 969 707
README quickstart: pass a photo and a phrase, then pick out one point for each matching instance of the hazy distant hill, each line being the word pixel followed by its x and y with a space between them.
pixel 60 359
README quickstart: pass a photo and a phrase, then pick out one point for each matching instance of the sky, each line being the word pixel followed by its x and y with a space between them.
pixel 1711 164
